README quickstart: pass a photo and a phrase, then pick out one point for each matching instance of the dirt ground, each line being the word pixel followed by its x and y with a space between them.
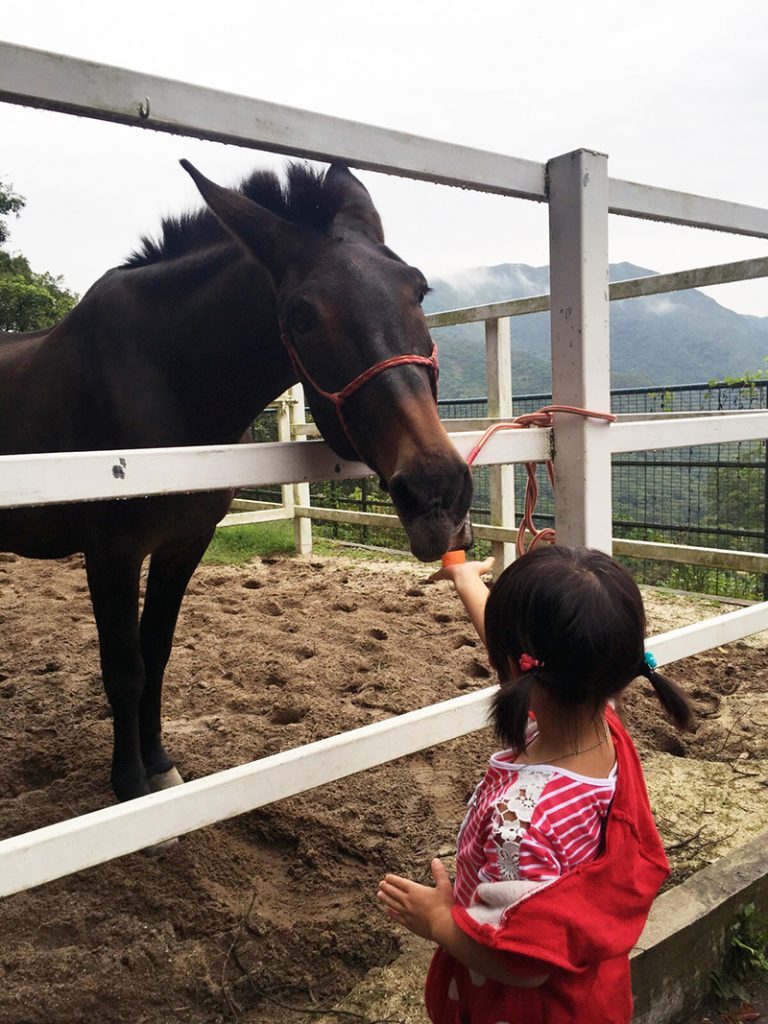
pixel 274 911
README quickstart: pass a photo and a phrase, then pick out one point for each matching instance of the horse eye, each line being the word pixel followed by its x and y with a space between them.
pixel 422 292
pixel 302 318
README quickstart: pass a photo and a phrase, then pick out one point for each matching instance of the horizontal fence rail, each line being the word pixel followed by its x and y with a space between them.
pixel 707 428
pixel 91 476
pixel 52 81
pixel 128 473
pixel 54 851
pixel 632 288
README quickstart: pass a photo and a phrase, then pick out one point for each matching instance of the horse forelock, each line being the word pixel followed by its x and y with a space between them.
pixel 301 199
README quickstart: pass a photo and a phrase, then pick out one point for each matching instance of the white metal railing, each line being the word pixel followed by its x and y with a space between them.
pixel 580 196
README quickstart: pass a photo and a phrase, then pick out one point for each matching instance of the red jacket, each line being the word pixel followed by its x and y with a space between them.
pixel 578 929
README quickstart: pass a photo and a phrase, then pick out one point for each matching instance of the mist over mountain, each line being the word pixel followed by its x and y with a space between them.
pixel 677 338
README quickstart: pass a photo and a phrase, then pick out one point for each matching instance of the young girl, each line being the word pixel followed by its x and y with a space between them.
pixel 558 858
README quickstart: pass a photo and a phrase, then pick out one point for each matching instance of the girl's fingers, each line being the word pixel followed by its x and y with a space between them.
pixel 391 898
pixel 396 882
pixel 452 572
pixel 438 871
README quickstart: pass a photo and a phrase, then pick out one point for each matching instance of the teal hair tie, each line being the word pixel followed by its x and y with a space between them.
pixel 649 660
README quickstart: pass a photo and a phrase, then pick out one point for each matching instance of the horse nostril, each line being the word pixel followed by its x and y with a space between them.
pixel 409 494
pixel 416 494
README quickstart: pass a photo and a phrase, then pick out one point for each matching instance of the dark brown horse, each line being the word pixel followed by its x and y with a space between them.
pixel 183 345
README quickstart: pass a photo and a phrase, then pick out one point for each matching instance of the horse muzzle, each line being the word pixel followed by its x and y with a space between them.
pixel 434 511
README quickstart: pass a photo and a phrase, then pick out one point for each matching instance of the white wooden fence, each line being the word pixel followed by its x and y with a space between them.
pixel 580 196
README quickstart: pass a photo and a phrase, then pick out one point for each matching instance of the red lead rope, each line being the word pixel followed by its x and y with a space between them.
pixel 541 418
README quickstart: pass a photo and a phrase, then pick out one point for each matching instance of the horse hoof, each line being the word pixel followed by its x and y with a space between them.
pixel 159 849
pixel 165 780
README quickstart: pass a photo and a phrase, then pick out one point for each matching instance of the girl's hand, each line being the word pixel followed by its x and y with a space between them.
pixel 423 910
pixel 462 571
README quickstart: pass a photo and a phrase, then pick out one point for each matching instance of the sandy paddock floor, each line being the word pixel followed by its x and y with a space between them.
pixel 275 910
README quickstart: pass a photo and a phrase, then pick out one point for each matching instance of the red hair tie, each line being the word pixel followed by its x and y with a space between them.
pixel 526 663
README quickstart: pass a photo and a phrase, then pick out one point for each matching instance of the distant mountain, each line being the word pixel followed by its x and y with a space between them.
pixel 676 338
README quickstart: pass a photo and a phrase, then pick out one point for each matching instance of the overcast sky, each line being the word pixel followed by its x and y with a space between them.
pixel 676 93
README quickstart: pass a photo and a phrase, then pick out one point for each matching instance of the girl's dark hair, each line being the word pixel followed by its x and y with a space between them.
pixel 580 614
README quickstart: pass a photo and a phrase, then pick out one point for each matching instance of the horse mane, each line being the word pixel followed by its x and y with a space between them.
pixel 302 199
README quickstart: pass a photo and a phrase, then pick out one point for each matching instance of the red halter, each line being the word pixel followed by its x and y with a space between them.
pixel 338 398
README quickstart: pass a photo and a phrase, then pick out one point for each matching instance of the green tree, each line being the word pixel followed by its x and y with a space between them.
pixel 10 202
pixel 29 301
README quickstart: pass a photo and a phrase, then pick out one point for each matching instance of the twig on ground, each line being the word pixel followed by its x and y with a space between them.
pixel 320 1011
pixel 724 744
pixel 234 1007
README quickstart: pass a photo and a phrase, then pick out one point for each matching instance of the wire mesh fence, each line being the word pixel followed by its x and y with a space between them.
pixel 706 496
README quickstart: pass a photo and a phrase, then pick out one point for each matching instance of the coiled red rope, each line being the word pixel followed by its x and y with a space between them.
pixel 543 417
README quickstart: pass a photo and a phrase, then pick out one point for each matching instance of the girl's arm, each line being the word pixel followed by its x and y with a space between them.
pixel 466 578
pixel 427 912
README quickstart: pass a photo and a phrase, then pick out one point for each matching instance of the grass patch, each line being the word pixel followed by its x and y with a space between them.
pixel 237 545
pixel 746 959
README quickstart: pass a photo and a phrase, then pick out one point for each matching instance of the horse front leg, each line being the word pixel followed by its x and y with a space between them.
pixel 170 570
pixel 113 580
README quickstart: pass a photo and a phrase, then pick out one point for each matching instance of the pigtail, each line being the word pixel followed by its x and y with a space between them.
pixel 509 710
pixel 671 696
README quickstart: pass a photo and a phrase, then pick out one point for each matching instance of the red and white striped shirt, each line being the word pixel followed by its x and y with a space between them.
pixel 533 822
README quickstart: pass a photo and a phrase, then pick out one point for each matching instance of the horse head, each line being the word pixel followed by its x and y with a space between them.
pixel 350 317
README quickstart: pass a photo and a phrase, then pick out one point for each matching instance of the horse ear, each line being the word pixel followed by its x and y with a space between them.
pixel 263 234
pixel 356 211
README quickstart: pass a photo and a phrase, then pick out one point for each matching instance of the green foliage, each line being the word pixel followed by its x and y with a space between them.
pixel 264 427
pixel 746 956
pixel 736 495
pixel 29 301
pixel 745 380
pixel 10 202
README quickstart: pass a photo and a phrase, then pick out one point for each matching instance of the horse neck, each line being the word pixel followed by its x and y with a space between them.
pixel 217 338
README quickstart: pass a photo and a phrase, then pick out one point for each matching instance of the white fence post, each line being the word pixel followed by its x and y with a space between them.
pixel 498 368
pixel 578 219
pixel 302 526
pixel 284 421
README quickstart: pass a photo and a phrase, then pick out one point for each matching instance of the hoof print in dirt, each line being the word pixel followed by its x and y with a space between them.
pixel 464 641
pixel 48 667
pixel 477 670
pixel 273 608
pixel 253 585
pixel 289 715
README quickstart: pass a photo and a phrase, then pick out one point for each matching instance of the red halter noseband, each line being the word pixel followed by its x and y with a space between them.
pixel 338 398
